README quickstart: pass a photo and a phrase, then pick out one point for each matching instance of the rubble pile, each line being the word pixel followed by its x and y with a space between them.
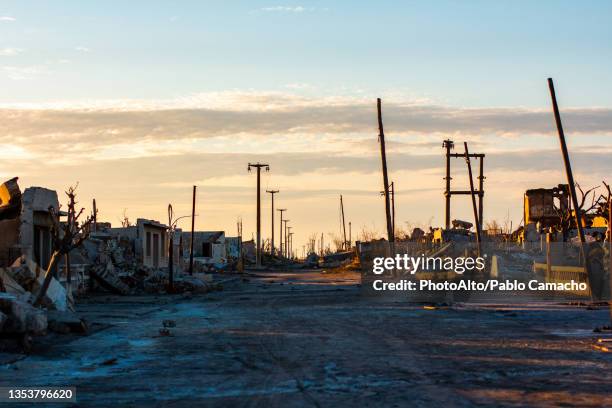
pixel 116 272
pixel 17 316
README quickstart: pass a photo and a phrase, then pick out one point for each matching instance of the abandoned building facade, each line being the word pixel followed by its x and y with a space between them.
pixel 28 234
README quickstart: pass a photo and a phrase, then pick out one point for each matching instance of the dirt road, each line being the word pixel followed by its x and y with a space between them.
pixel 311 339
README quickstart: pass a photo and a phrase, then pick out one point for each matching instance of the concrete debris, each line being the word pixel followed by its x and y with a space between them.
pixel 21 317
pixel 10 285
pixel 55 298
pixel 107 277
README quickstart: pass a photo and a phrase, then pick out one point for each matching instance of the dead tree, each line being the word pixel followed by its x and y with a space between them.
pixel 567 216
pixel 66 237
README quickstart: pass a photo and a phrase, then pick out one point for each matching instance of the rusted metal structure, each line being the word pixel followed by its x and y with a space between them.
pixel 448 193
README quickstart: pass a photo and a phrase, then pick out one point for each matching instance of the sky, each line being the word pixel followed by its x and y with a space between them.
pixel 138 101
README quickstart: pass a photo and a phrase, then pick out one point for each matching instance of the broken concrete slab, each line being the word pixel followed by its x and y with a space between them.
pixel 107 277
pixel 55 298
pixel 23 275
pixel 22 317
pixel 10 285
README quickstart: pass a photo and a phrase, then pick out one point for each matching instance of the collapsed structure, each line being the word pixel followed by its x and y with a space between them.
pixel 122 260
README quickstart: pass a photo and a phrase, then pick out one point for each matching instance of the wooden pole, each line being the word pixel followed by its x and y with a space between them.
pixel 448 144
pixel 272 192
pixel 393 206
pixel 481 178
pixel 383 155
pixel 193 203
pixel 570 179
pixel 473 194
pixel 258 166
pixel 343 223
pixel 280 231
pixel 95 216
pixel 170 250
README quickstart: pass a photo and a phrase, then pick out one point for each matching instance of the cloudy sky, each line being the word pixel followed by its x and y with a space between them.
pixel 139 101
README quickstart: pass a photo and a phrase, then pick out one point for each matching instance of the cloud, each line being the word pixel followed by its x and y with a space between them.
pixel 290 9
pixel 7 18
pixel 321 123
pixel 9 52
pixel 16 73
pixel 81 48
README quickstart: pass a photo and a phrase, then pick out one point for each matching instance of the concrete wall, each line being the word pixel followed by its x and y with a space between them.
pixel 216 239
pixel 157 255
pixel 19 235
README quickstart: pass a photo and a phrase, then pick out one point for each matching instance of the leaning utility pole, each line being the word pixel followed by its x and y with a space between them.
pixel 272 192
pixel 258 166
pixel 280 246
pixel 392 191
pixel 343 223
pixel 473 194
pixel 193 202
pixel 383 154
pixel 570 177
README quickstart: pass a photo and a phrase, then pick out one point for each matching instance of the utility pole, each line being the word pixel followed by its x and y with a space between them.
pixel 239 227
pixel 95 216
pixel 322 246
pixel 383 154
pixel 280 247
pixel 343 223
pixel 289 242
pixel 258 166
pixel 481 178
pixel 476 221
pixel 350 240
pixel 286 239
pixel 272 192
pixel 393 206
pixel 448 145
pixel 193 202
pixel 570 178
pixel 170 249
pixel 392 191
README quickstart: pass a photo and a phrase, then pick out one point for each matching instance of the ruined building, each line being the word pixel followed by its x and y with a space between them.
pixel 25 223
